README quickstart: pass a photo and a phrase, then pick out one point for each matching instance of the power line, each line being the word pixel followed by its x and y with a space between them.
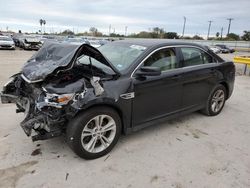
pixel 229 24
pixel 209 26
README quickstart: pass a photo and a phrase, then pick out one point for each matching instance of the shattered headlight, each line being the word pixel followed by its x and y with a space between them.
pixel 55 100
pixel 60 99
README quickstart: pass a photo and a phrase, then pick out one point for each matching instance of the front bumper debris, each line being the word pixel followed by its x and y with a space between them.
pixel 7 98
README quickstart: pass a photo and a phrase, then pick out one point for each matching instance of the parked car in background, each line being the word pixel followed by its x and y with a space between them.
pixel 215 49
pixel 47 37
pixel 104 41
pixel 16 39
pixel 95 43
pixel 6 42
pixel 94 95
pixel 224 48
pixel 75 40
pixel 29 42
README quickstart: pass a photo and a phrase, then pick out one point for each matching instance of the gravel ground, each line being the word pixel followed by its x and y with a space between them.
pixel 191 151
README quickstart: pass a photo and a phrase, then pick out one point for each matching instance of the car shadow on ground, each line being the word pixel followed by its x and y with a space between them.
pixel 57 147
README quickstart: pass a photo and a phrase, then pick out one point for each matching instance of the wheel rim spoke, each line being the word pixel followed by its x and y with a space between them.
pixel 213 106
pixel 109 126
pixel 87 132
pixel 92 143
pixel 97 121
pixel 104 141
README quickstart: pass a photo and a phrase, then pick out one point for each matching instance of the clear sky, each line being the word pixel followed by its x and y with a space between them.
pixel 138 15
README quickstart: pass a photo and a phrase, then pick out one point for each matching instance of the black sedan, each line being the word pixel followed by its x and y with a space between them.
pixel 93 96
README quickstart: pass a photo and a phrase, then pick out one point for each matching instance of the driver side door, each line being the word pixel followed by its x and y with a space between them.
pixel 158 96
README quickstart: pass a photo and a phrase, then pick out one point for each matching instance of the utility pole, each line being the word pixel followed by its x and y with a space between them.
pixel 184 25
pixel 109 29
pixel 229 24
pixel 221 33
pixel 126 29
pixel 209 26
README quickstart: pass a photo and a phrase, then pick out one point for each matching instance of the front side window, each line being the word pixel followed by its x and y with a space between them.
pixel 165 59
pixel 195 56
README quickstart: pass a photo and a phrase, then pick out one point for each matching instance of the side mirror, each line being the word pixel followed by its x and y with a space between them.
pixel 148 71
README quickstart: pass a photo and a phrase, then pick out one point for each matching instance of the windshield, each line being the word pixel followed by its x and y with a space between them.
pixel 121 55
pixel 5 39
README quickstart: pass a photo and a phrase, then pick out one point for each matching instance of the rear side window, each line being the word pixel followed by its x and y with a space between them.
pixel 195 56
pixel 165 59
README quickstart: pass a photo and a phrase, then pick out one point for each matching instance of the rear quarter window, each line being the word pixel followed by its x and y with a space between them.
pixel 195 56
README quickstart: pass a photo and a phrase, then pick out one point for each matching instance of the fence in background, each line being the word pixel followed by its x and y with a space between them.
pixel 232 44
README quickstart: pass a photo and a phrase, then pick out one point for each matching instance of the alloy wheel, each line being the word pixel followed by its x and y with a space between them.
pixel 98 133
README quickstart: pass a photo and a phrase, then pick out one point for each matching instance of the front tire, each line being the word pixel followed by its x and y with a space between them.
pixel 216 101
pixel 94 133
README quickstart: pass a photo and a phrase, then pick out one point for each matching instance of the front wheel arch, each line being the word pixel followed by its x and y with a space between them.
pixel 119 112
pixel 76 125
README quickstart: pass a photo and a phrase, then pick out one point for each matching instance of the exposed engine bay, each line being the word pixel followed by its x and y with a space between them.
pixel 49 103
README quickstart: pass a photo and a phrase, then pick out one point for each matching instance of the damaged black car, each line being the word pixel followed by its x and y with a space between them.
pixel 93 96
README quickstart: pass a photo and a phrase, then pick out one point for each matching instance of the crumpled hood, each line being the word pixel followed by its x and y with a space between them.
pixel 53 55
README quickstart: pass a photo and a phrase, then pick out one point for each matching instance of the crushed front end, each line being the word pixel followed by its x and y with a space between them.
pixel 46 114
pixel 52 88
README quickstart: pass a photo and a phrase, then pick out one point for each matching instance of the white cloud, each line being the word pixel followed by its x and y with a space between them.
pixel 137 15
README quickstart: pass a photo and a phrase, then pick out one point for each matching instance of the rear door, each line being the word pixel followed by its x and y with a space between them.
pixel 199 76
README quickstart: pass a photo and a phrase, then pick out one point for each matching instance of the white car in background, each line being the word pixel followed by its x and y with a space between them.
pixel 215 49
pixel 95 43
pixel 7 43
pixel 76 41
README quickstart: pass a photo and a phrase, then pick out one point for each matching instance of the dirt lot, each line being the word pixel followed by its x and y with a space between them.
pixel 192 151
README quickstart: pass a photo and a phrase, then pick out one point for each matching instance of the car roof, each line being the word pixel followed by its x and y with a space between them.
pixel 155 42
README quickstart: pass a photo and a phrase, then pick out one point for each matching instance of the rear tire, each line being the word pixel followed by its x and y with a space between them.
pixel 94 133
pixel 216 101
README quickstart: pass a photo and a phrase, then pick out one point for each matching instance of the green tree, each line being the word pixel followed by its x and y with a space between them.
pixel 67 32
pixel 157 32
pixel 41 23
pixel 233 36
pixel 115 35
pixel 171 35
pixel 217 34
pixel 143 34
pixel 93 30
pixel 197 37
pixel 246 36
